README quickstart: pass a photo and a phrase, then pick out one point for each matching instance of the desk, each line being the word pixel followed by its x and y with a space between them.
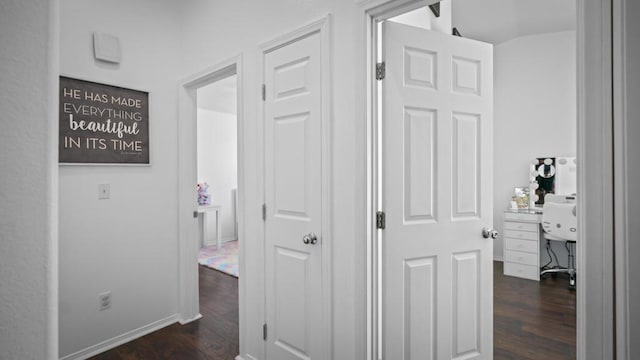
pixel 522 239
pixel 202 214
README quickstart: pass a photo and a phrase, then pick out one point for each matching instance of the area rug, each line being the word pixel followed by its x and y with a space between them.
pixel 225 259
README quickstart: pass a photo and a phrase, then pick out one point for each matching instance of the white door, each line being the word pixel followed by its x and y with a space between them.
pixel 437 196
pixel 293 255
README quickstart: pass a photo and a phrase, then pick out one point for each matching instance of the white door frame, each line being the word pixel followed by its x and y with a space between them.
pixel 188 296
pixel 595 305
pixel 322 26
pixel 595 308
pixel 623 263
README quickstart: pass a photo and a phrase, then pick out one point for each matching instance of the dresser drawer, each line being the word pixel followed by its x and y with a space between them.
pixel 521 245
pixel 525 235
pixel 522 226
pixel 534 218
pixel 521 257
pixel 523 271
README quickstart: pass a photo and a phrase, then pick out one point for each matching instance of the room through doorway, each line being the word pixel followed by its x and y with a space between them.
pixel 217 174
pixel 218 197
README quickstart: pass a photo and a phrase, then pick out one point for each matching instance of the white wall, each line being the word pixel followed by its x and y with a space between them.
pixel 127 244
pixel 218 166
pixel 534 115
pixel 28 180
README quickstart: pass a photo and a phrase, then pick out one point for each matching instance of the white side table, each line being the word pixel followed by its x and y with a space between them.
pixel 202 214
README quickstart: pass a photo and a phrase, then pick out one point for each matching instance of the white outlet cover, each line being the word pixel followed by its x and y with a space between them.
pixel 104 300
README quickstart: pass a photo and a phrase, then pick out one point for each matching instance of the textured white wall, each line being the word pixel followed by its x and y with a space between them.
pixel 128 244
pixel 218 166
pixel 28 209
pixel 535 113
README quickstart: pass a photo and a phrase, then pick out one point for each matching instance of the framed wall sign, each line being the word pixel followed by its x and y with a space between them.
pixel 102 124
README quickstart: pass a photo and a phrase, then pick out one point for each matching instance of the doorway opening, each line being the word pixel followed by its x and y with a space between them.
pixel 217 174
pixel 551 46
pixel 211 215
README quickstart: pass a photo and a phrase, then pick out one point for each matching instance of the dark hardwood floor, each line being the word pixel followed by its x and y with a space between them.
pixel 213 337
pixel 531 321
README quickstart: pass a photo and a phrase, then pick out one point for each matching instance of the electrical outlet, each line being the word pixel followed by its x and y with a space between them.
pixel 104 300
pixel 104 191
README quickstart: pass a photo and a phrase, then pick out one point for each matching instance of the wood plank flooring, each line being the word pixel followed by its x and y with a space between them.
pixel 214 337
pixel 531 321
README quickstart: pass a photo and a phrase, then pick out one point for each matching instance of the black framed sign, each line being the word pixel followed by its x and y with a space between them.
pixel 102 124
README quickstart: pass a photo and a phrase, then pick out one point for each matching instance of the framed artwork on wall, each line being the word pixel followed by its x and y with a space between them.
pixel 102 124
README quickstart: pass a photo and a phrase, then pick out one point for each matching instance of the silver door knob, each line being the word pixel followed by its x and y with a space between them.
pixel 488 232
pixel 310 238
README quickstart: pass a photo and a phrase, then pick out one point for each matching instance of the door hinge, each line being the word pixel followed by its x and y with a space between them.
pixel 380 220
pixel 264 92
pixel 380 70
pixel 264 212
pixel 264 332
pixel 195 214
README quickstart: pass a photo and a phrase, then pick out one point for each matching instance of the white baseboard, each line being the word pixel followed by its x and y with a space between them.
pixel 248 357
pixel 498 258
pixel 183 321
pixel 121 339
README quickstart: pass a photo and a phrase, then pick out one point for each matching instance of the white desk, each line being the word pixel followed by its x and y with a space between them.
pixel 202 214
pixel 522 239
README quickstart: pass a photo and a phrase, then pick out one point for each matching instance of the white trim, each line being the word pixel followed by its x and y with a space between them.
pixel 322 26
pixel 247 357
pixel 186 321
pixel 595 211
pixel 121 339
pixel 622 221
pixel 188 293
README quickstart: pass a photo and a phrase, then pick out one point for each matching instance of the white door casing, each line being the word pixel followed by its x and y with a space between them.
pixel 293 131
pixel 437 194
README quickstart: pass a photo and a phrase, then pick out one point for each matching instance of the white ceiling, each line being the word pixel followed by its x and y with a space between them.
pixel 497 21
pixel 219 96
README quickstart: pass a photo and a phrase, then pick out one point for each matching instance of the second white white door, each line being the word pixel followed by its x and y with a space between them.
pixel 293 192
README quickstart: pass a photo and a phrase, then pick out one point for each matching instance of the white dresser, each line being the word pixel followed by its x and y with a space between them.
pixel 522 235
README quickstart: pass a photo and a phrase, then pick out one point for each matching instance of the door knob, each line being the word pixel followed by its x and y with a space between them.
pixel 488 232
pixel 310 238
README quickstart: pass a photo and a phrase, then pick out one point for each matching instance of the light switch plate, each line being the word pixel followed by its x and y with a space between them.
pixel 104 191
